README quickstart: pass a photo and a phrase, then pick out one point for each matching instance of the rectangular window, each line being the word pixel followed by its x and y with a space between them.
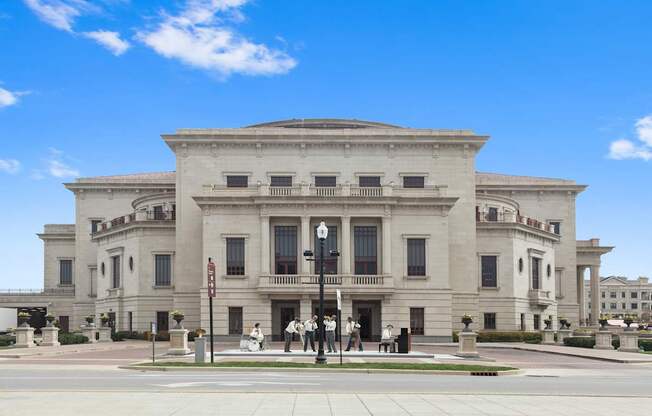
pixel 537 322
pixel 489 265
pixel 330 264
pixel 285 244
pixel 413 182
pixel 65 272
pixel 536 273
pixel 623 295
pixel 235 256
pixel 95 226
pixel 633 295
pixel 416 256
pixel 556 226
pixel 613 306
pixel 369 181
pixel 281 181
pixel 603 306
pixel 612 295
pixel 492 214
pixel 237 181
pixel 417 321
pixel 365 250
pixel 115 272
pixel 159 214
pixel 604 295
pixel 634 305
pixel 326 181
pixel 162 270
pixel 490 320
pixel 522 322
pixel 624 306
pixel 235 320
pixel 162 321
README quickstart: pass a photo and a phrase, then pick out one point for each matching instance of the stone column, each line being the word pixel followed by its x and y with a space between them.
pixel 178 342
pixel 387 244
pixel 305 244
pixel 305 309
pixel 467 344
pixel 105 334
pixel 562 334
pixel 25 337
pixel 50 336
pixel 595 295
pixel 580 294
pixel 264 245
pixel 346 254
pixel 89 332
pixel 629 341
pixel 603 340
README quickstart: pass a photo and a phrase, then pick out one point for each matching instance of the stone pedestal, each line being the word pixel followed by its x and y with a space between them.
pixel 105 334
pixel 603 340
pixel 467 345
pixel 89 332
pixel 25 337
pixel 178 342
pixel 200 350
pixel 548 337
pixel 629 341
pixel 50 336
pixel 562 334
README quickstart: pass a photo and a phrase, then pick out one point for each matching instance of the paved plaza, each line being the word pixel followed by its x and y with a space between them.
pixel 72 379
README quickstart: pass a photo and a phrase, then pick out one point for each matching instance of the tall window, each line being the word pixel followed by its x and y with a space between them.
pixel 612 295
pixel 369 181
pixel 365 250
pixel 522 322
pixel 162 320
pixel 235 320
pixel 613 306
pixel 65 272
pixel 285 242
pixel 489 267
pixel 325 181
pixel 158 212
pixel 416 257
pixel 93 282
pixel 413 181
pixel 330 264
pixel 633 295
pixel 536 273
pixel 492 214
pixel 416 321
pixel 603 295
pixel 490 320
pixel 281 181
pixel 237 181
pixel 634 305
pixel 162 270
pixel 95 226
pixel 235 256
pixel 115 272
pixel 556 227
pixel 537 322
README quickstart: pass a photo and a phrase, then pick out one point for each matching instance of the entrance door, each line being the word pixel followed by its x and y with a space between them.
pixel 112 321
pixel 366 322
pixel 330 309
pixel 64 323
pixel 287 314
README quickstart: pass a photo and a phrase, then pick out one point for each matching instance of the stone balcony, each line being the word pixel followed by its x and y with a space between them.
pixel 306 190
pixel 514 218
pixel 295 283
pixel 55 291
pixel 138 217
pixel 540 298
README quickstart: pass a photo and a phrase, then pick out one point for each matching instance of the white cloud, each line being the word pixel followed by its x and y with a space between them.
pixel 627 149
pixel 199 37
pixel 11 166
pixel 9 98
pixel 60 14
pixel 110 40
pixel 56 166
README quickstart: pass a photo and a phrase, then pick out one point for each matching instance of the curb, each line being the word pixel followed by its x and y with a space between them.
pixel 324 370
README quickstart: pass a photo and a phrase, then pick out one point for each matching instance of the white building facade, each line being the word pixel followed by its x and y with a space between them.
pixel 620 296
pixel 423 238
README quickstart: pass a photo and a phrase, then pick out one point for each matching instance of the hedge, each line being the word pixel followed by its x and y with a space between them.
pixel 506 336
pixel 589 342
pixel 7 340
pixel 72 338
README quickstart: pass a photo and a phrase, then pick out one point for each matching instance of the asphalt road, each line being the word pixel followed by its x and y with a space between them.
pixel 628 381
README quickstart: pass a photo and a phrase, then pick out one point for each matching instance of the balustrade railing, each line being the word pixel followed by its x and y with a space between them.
pixel 290 280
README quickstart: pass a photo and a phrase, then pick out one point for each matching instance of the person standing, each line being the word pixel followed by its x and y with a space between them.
pixel 349 331
pixel 331 325
pixel 310 326
pixel 356 335
pixel 290 330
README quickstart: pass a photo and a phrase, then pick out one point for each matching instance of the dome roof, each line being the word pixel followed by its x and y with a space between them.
pixel 324 123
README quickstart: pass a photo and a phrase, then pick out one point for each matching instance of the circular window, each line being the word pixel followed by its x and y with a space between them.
pixel 520 265
pixel 102 268
pixel 549 270
pixel 131 263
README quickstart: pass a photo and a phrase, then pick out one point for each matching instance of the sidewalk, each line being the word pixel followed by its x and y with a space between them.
pixel 67 349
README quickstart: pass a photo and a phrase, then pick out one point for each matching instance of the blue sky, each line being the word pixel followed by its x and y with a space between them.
pixel 563 88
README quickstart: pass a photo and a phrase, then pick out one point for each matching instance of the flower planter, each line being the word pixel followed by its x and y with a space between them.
pixel 23 321
pixel 467 320
pixel 178 319
pixel 50 320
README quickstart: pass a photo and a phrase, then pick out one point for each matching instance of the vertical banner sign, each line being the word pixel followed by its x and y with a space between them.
pixel 211 295
pixel 152 328
pixel 339 319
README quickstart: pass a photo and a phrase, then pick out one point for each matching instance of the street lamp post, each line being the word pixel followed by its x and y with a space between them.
pixel 322 233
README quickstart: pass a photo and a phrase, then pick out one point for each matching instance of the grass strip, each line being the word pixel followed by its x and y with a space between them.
pixel 378 366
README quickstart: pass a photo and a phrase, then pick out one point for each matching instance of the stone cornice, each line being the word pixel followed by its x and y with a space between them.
pixel 133 226
pixel 534 187
pixel 81 187
pixel 515 226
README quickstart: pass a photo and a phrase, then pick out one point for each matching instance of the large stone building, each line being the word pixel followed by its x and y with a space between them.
pixel 423 237
pixel 620 296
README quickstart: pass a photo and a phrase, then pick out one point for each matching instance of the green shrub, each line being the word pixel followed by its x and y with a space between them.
pixel 506 336
pixel 579 342
pixel 72 338
pixel 7 340
pixel 645 344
